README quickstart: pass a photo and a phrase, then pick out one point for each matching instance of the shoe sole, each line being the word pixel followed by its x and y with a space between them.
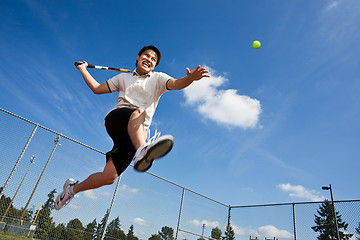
pixel 160 149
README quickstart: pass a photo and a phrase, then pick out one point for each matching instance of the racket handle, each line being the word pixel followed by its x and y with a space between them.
pixel 89 65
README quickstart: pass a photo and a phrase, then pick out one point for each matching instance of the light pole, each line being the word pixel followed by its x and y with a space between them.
pixel 12 200
pixel 56 141
pixel 332 201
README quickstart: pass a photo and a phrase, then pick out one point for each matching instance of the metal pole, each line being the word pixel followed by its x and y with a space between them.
pixel 18 161
pixel 229 219
pixel 294 221
pixel 111 206
pixel 35 219
pixel 335 218
pixel 180 211
pixel 12 200
pixel 42 173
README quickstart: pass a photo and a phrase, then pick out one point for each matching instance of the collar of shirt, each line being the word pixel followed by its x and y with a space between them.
pixel 141 76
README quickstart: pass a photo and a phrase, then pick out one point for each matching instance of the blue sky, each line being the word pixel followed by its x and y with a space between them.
pixel 270 125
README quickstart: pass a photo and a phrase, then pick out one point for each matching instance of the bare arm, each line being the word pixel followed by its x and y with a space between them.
pixel 191 76
pixel 96 87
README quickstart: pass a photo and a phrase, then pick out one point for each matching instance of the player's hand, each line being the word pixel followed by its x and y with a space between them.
pixel 197 73
pixel 81 65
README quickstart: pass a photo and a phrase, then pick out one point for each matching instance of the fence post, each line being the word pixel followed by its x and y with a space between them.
pixel 294 220
pixel 229 220
pixel 18 161
pixel 180 211
pixel 12 200
pixel 42 173
pixel 111 206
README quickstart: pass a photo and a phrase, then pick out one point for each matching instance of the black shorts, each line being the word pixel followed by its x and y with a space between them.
pixel 116 123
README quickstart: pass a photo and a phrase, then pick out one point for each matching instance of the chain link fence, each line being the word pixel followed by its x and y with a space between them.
pixel 35 162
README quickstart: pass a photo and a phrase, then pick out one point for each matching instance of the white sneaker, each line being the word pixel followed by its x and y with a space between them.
pixel 65 197
pixel 154 148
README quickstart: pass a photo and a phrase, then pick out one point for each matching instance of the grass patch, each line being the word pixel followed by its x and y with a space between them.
pixel 6 236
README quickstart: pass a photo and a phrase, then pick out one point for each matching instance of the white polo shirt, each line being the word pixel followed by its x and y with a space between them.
pixel 137 91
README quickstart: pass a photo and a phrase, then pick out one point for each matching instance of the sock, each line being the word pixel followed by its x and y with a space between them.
pixel 72 189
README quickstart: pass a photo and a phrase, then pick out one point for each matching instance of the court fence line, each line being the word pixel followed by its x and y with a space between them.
pixel 230 211
pixel 37 125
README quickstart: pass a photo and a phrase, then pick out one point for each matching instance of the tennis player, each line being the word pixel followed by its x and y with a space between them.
pixel 128 122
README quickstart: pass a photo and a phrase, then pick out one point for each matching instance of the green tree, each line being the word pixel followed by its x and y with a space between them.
pixel 167 233
pixel 74 230
pixel 90 230
pixel 216 233
pixel 101 225
pixel 325 223
pixel 12 212
pixel 155 237
pixel 4 203
pixel 229 233
pixel 131 235
pixel 45 223
pixel 59 232
pixel 114 231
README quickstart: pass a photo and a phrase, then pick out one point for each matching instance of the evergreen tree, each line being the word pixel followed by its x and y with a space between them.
pixel 59 232
pixel 229 233
pixel 325 223
pixel 12 212
pixel 216 233
pixel 101 225
pixel 44 221
pixel 74 230
pixel 167 233
pixel 155 237
pixel 114 230
pixel 4 203
pixel 131 235
pixel 90 230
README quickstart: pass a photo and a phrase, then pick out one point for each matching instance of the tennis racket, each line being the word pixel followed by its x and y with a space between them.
pixel 104 68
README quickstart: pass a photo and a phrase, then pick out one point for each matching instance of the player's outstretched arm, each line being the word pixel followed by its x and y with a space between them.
pixel 96 87
pixel 191 76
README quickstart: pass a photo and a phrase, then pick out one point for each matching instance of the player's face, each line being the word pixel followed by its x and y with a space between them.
pixel 146 62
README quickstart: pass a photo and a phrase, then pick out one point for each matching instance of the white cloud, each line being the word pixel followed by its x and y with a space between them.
pixel 332 5
pixel 126 188
pixel 263 231
pixel 243 231
pixel 90 194
pixel 301 192
pixel 140 221
pixel 73 206
pixel 225 107
pixel 196 222
pixel 271 231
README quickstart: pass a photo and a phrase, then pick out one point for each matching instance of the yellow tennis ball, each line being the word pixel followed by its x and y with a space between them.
pixel 256 44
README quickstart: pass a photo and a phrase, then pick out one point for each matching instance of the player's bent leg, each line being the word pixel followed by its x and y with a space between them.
pixel 155 147
pixel 136 128
pixel 149 150
pixel 107 177
pixel 96 180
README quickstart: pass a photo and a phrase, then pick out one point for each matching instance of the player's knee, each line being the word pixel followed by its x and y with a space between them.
pixel 137 113
pixel 108 180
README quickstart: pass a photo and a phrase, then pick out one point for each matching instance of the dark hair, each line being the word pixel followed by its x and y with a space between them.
pixel 151 47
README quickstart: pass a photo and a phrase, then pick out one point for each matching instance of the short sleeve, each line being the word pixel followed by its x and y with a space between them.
pixel 114 83
pixel 163 78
